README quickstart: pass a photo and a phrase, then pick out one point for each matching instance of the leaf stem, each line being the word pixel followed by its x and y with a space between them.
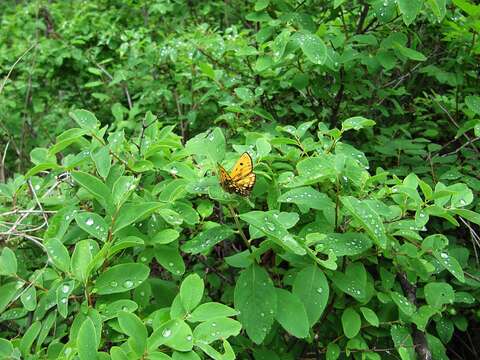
pixel 239 227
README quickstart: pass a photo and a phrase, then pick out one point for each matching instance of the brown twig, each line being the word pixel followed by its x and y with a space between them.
pixel 420 340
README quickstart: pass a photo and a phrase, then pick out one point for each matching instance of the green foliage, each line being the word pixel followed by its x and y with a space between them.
pixel 359 237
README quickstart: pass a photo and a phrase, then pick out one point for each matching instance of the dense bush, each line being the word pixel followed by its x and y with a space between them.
pixel 360 236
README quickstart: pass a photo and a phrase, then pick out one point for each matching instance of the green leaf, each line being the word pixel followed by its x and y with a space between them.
pixel 291 314
pixel 207 69
pixel 130 213
pixel 337 3
pixel 409 9
pixel 191 292
pixel 87 341
pixel 175 334
pixel 311 287
pixel 368 218
pixel 211 145
pixel 229 354
pixel 191 355
pixel 122 188
pixel 422 316
pixel 93 224
pixel 58 254
pixel 370 316
pixel 212 330
pixel 280 44
pixel 85 119
pixel 410 53
pixel 351 322
pixel 205 240
pixel 29 337
pixel 63 292
pixel 165 237
pixel 444 329
pixel 263 147
pixel 67 138
pixel 244 94
pixel 468 7
pixel 403 304
pixel 357 123
pixel 384 10
pixel 438 294
pixel 29 298
pixel 175 189
pixel 211 311
pixel 116 353
pixel 102 161
pixel 403 342
pixel 7 292
pixel 169 257
pixel 315 169
pixel 93 185
pixel 461 195
pixel 256 299
pixel 8 262
pixel 239 260
pixel 263 63
pixel 312 46
pixel 438 7
pixel 307 197
pixel 121 278
pixel 467 214
pixel 261 4
pixel 333 351
pixel 269 224
pixel 6 349
pixel 342 244
pixel 436 347
pixel 473 103
pixel 135 329
pixel 353 282
pixel 82 255
pixel 124 243
pixel 451 264
pixel 47 325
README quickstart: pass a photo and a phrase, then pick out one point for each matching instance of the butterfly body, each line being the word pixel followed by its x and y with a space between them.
pixel 241 179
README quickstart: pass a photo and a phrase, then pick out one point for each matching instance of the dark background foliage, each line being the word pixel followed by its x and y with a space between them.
pixel 288 81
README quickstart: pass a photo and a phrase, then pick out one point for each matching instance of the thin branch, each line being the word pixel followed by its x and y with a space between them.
pixel 420 340
pixel 180 117
pixel 239 227
pixel 123 85
pixel 363 16
pixel 2 163
pixel 34 194
pixel 15 64
pixel 475 237
pixel 454 122
pixel 462 146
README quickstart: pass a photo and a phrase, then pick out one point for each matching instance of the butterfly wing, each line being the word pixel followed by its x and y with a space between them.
pixel 243 167
pixel 225 179
pixel 242 179
pixel 244 185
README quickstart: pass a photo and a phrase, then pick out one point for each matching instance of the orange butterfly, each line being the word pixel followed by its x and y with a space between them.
pixel 242 178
